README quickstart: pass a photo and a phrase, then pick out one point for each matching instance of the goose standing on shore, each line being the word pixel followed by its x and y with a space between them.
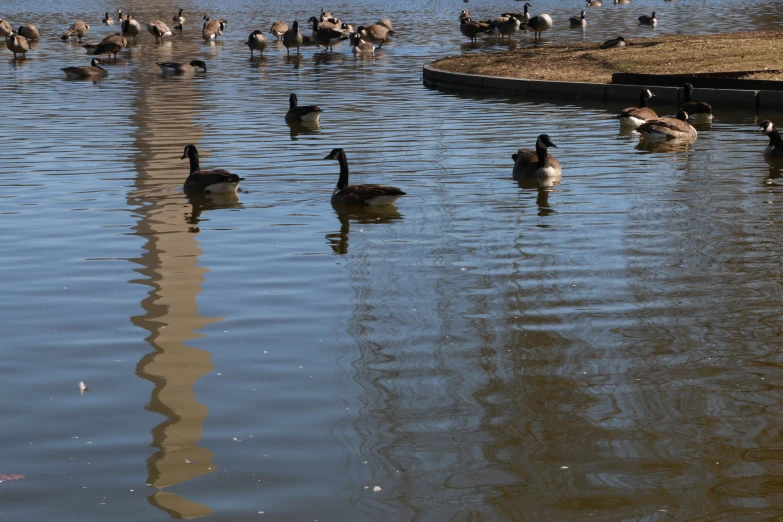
pixel 537 163
pixel 257 42
pixel 664 129
pixel 5 28
pixel 540 23
pixel 181 68
pixel 292 38
pixel 217 181
pixel 112 44
pixel 86 71
pixel 700 112
pixel 578 21
pixel 17 44
pixel 775 147
pixel 278 29
pixel 78 29
pixel 130 27
pixel 614 43
pixel 633 117
pixel 370 195
pixel 29 31
pixel 302 113
pixel 648 20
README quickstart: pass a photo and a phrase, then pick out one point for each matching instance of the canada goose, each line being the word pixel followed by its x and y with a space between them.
pixel 217 181
pixel 633 117
pixel 292 38
pixel 108 20
pixel 178 18
pixel 537 163
pixel 506 26
pixel 181 68
pixel 622 1
pixel 130 27
pixel 663 129
pixel 112 44
pixel 700 112
pixel 523 17
pixel 17 44
pixel 278 29
pixel 375 33
pixel 324 15
pixel 86 71
pixel 325 36
pixel 472 29
pixel 29 31
pixel 121 17
pixel 347 29
pixel 78 29
pixel 386 23
pixel 302 113
pixel 331 23
pixel 5 28
pixel 593 3
pixel 540 23
pixel 371 195
pixel 257 42
pixel 158 29
pixel 775 147
pixel 614 43
pixel 360 46
pixel 213 28
pixel 648 20
pixel 578 21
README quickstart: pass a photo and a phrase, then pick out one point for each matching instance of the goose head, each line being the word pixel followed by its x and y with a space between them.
pixel 96 62
pixel 335 154
pixel 189 152
pixel 682 115
pixel 544 141
pixel 199 63
pixel 767 127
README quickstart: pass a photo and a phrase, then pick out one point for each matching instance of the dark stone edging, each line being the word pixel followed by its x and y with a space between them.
pixel 740 99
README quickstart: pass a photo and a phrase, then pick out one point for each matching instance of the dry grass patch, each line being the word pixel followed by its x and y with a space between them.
pixel 584 62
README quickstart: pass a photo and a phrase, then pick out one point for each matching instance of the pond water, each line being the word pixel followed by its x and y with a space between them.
pixel 605 348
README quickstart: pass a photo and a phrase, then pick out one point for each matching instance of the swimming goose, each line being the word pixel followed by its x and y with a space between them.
pixel 371 195
pixel 108 20
pixel 278 29
pixel 537 163
pixel 700 112
pixel 386 23
pixel 17 44
pixel 325 36
pixel 540 23
pixel 257 41
pixel 121 17
pixel 578 21
pixel 112 44
pixel 292 38
pixel 130 27
pixel 5 28
pixel 29 31
pixel 635 116
pixel 593 3
pixel 663 129
pixel 217 181
pixel 178 18
pixel 213 28
pixel 360 46
pixel 375 33
pixel 523 17
pixel 181 68
pixel 622 1
pixel 158 29
pixel 648 20
pixel 78 29
pixel 472 29
pixel 86 71
pixel 302 113
pixel 614 43
pixel 775 147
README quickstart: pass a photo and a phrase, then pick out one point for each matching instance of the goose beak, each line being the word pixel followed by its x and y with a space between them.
pixel 183 157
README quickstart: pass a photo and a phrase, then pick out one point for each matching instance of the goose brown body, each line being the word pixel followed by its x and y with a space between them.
pixel 635 116
pixel 182 68
pixel 537 163
pixel 278 29
pixel 158 29
pixel 664 129
pixel 112 44
pixel 578 21
pixel 302 113
pixel 130 27
pixel 257 42
pixel 17 44
pixel 86 71
pixel 5 28
pixel 216 181
pixel 213 28
pixel 77 29
pixel 293 38
pixel 29 31
pixel 374 33
pixel 371 195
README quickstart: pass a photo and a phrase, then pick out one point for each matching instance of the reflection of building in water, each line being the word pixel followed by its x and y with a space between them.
pixel 169 265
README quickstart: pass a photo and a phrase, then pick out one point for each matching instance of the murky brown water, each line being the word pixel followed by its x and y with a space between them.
pixel 607 349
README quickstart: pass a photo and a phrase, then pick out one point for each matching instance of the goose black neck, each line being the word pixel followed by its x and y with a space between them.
pixel 775 139
pixel 688 94
pixel 193 156
pixel 643 99
pixel 343 181
pixel 292 101
pixel 542 154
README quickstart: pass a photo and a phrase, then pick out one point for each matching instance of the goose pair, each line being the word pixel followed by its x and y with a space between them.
pixel 537 163
pixel 775 148
pixel 77 29
pixel 112 44
pixel 94 70
pixel 182 68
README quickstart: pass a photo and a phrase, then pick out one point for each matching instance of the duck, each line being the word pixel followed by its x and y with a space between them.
pixel 78 29
pixel 648 20
pixel 29 31
pixel 5 28
pixel 540 23
pixel 158 29
pixel 130 27
pixel 775 147
pixel 94 70
pixel 257 42
pixel 664 129
pixel 292 38
pixel 112 44
pixel 614 43
pixel 217 181
pixel 17 44
pixel 121 17
pixel 178 18
pixel 182 68
pixel 108 20
pixel 360 46
pixel 578 21
pixel 537 163
pixel 213 28
pixel 633 117
pixel 370 195
pixel 325 36
pixel 472 29
pixel 302 113
pixel 524 16
pixel 374 33
pixel 278 29
pixel 700 112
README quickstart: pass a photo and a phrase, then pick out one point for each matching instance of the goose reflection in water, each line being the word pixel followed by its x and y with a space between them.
pixel 203 202
pixel 664 146
pixel 297 128
pixel 359 216
pixel 544 187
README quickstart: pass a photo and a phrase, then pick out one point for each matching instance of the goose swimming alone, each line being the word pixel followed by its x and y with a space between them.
pixel 775 147
pixel 217 181
pixel 537 163
pixel 371 195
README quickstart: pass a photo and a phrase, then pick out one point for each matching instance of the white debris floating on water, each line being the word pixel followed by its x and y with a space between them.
pixel 83 387
pixel 376 489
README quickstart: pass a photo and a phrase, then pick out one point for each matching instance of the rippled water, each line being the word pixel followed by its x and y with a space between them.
pixel 607 348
